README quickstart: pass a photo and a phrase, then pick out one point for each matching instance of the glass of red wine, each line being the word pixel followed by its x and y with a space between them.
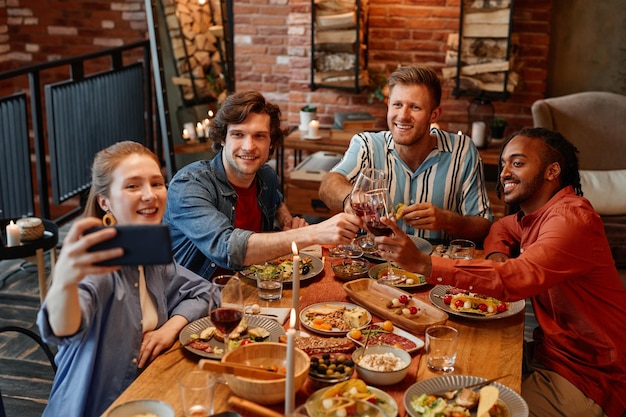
pixel 367 180
pixel 228 315
pixel 379 205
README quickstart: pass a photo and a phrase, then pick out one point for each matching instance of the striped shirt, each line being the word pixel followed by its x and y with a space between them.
pixel 451 177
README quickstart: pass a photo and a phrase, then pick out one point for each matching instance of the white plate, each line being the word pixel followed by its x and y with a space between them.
pixel 516 404
pixel 386 402
pixel 419 343
pixel 420 279
pixel 318 137
pixel 275 329
pixel 308 322
pixel 422 244
pixel 317 266
pixel 436 297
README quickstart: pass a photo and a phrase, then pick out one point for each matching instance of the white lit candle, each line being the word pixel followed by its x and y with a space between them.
pixel 199 130
pixel 314 129
pixel 210 114
pixel 13 234
pixel 295 286
pixel 206 124
pixel 290 393
pixel 191 130
pixel 186 135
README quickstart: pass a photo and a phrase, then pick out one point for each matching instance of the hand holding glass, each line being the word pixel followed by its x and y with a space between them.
pixel 368 179
pixel 379 204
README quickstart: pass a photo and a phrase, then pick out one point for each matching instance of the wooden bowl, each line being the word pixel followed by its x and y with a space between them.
pixel 265 355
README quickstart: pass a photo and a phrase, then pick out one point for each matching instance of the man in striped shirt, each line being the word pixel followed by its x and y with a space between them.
pixel 438 175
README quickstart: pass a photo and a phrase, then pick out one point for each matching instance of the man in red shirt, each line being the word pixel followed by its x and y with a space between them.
pixel 553 250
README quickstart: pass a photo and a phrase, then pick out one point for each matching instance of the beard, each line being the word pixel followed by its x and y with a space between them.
pixel 523 191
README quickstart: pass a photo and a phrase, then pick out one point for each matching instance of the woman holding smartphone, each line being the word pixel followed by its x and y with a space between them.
pixel 109 322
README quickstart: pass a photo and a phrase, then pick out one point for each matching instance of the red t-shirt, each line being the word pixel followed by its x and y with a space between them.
pixel 247 212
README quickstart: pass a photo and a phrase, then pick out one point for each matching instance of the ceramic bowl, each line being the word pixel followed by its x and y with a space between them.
pixel 140 407
pixel 379 377
pixel 347 269
pixel 265 355
pixel 329 369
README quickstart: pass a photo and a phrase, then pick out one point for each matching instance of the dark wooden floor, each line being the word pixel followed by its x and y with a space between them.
pixel 25 372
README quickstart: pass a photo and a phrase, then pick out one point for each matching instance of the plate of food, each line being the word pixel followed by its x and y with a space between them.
pixel 334 318
pixel 386 334
pixel 412 280
pixel 357 388
pixel 422 244
pixel 425 396
pixel 203 339
pixel 462 303
pixel 310 267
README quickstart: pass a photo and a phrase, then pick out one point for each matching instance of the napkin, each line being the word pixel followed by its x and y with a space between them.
pixel 313 250
pixel 278 314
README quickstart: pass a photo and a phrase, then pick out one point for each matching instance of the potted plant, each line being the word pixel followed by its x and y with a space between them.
pixel 497 128
pixel 307 113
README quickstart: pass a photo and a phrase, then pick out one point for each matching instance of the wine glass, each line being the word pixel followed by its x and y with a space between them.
pixel 228 315
pixel 367 180
pixel 379 205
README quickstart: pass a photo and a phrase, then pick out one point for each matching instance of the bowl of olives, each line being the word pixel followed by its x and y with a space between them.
pixel 329 369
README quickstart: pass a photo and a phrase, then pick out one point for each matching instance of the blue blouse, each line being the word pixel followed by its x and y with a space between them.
pixel 99 362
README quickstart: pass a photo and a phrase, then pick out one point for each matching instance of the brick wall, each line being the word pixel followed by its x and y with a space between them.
pixel 272 46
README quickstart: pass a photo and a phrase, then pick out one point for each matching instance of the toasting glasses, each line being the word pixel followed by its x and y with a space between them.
pixel 368 179
pixel 378 204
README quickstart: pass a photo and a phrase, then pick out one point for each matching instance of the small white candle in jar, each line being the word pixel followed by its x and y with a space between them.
pixel 314 129
pixel 13 234
pixel 206 124
pixel 191 129
pixel 186 135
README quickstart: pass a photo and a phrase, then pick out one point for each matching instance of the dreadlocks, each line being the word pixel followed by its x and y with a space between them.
pixel 558 149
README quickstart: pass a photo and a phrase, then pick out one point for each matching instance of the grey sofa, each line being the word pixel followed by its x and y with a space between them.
pixel 595 122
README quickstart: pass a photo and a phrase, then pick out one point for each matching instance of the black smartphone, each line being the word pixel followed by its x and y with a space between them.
pixel 142 244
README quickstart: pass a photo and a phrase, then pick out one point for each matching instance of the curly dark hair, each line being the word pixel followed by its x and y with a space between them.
pixel 557 149
pixel 236 108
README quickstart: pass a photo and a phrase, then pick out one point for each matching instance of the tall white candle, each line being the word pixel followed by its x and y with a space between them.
pixel 314 129
pixel 199 130
pixel 295 285
pixel 290 392
pixel 13 234
pixel 191 129
pixel 478 134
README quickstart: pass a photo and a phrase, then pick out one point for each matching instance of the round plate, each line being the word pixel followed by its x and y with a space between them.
pixel 420 280
pixel 387 403
pixel 317 266
pixel 308 323
pixel 516 404
pixel 436 297
pixel 275 329
pixel 422 244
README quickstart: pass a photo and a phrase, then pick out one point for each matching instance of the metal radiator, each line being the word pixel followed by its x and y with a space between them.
pixel 86 116
pixel 16 188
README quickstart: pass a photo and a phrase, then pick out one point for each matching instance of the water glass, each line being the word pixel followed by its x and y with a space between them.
pixel 270 286
pixel 197 389
pixel 461 249
pixel 441 345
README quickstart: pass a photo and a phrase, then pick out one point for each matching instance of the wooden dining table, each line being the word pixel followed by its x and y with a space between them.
pixel 487 348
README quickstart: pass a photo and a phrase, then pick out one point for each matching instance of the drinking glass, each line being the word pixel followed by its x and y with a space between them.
pixel 441 344
pixel 379 204
pixel 367 180
pixel 228 315
pixel 461 249
pixel 197 389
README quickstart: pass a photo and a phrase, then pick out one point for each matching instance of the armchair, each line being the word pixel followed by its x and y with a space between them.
pixel 594 122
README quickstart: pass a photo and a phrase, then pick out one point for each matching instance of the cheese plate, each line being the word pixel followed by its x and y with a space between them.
pixel 328 318
pixel 375 297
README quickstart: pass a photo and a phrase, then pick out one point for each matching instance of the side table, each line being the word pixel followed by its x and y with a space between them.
pixel 34 250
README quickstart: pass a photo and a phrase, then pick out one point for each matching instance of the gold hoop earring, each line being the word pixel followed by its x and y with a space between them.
pixel 109 220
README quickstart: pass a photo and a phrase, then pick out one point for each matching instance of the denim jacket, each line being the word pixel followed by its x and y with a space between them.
pixel 201 214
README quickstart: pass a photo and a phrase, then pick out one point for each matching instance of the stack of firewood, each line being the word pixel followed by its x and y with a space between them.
pixel 483 56
pixel 195 32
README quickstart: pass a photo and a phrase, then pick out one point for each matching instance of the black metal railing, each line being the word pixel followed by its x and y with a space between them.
pixel 73 119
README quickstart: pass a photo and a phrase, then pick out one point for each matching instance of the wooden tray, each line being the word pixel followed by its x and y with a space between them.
pixel 374 296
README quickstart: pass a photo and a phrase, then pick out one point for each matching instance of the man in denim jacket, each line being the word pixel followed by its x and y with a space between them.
pixel 223 212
